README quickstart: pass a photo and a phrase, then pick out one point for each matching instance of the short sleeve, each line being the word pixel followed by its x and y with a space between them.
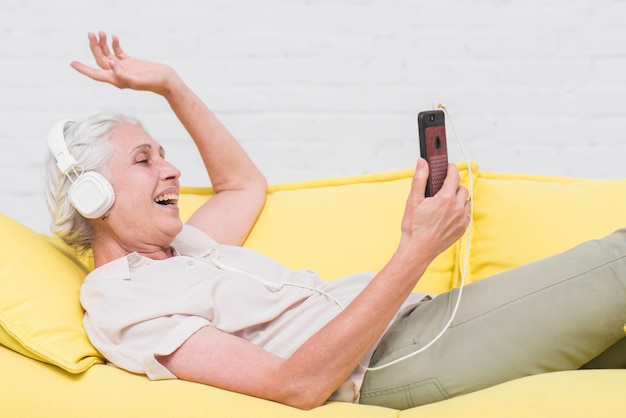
pixel 173 340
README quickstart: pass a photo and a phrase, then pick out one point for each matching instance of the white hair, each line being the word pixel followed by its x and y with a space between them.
pixel 88 142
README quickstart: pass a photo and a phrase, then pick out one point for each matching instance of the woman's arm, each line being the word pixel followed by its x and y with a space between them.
pixel 239 186
pixel 308 377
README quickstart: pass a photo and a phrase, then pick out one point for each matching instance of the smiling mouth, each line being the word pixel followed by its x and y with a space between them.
pixel 167 199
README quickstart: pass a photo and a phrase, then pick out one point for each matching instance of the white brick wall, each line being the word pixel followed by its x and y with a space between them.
pixel 331 87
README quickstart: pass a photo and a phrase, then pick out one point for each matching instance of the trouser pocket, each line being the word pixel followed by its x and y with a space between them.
pixel 406 396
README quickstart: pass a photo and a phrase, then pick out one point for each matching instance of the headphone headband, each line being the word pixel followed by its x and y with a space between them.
pixel 58 147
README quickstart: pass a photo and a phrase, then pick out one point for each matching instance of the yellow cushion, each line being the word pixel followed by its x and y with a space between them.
pixel 40 313
pixel 524 218
pixel 337 226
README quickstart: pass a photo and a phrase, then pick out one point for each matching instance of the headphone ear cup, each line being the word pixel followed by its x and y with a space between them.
pixel 92 195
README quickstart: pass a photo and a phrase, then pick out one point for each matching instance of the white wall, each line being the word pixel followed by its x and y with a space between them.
pixel 332 87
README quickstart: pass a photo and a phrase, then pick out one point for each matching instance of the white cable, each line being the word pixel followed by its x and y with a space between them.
pixel 465 260
pixel 213 257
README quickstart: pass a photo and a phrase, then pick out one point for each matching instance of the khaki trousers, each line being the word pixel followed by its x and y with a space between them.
pixel 562 313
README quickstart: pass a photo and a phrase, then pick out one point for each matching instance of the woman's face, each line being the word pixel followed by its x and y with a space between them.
pixel 145 216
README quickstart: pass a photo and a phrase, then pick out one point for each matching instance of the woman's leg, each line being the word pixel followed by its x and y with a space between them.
pixel 555 314
pixel 613 358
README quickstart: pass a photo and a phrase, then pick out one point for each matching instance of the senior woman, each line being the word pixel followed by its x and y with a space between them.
pixel 187 302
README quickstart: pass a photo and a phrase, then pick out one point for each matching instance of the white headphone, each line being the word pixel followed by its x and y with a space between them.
pixel 90 193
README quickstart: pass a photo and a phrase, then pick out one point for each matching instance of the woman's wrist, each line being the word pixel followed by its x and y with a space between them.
pixel 172 85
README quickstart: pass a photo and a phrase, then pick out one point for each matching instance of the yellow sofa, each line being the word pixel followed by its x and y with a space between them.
pixel 337 227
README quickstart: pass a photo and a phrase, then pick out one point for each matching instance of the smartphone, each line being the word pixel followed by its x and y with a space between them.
pixel 433 147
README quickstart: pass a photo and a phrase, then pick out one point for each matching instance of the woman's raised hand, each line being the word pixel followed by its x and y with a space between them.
pixel 433 224
pixel 119 69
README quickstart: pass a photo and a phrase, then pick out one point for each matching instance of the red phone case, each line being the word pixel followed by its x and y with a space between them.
pixel 434 148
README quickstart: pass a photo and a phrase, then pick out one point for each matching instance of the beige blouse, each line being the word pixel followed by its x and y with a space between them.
pixel 138 308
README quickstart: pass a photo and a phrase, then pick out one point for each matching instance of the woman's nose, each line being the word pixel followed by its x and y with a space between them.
pixel 169 171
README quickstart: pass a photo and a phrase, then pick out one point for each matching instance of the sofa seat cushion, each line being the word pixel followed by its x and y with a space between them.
pixel 32 389
pixel 40 313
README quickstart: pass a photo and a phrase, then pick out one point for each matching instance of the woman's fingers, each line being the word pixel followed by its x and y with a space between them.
pixel 93 73
pixel 117 49
pixel 102 42
pixel 102 58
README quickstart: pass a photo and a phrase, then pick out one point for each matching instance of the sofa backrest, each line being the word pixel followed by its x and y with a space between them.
pixel 523 218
